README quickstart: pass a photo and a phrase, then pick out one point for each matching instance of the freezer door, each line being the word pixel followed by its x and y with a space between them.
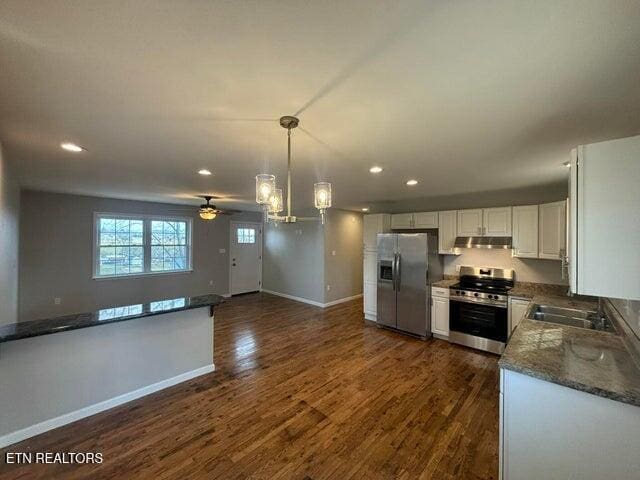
pixel 411 287
pixel 386 311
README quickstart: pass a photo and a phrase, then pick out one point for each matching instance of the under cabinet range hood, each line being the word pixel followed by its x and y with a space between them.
pixel 483 242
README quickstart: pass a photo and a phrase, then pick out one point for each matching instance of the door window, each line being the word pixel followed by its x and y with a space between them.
pixel 246 235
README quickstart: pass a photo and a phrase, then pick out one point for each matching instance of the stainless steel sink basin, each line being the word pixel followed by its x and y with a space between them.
pixel 589 319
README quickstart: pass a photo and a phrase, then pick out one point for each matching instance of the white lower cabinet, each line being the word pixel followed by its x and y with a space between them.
pixel 370 267
pixel 517 309
pixel 370 300
pixel 550 431
pixel 440 316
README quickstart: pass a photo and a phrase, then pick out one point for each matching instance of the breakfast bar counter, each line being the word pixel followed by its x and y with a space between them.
pixel 58 370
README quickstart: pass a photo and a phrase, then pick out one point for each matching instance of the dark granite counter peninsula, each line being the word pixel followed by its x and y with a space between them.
pixel 137 350
pixel 47 326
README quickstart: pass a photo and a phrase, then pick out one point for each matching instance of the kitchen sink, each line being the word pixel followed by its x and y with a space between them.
pixel 589 319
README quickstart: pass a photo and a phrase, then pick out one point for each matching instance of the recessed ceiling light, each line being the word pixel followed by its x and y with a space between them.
pixel 365 209
pixel 375 169
pixel 567 164
pixel 412 182
pixel 71 147
pixel 204 171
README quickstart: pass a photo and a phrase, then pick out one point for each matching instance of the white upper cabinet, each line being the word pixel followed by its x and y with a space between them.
pixel 552 230
pixel 372 226
pixel 425 220
pixel 447 231
pixel 402 220
pixel 496 222
pixel 525 231
pixel 605 212
pixel 470 222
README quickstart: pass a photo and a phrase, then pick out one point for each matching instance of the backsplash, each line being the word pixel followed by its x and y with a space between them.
pixel 630 310
pixel 527 269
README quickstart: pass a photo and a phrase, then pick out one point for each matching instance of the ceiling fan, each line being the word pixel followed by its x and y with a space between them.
pixel 207 211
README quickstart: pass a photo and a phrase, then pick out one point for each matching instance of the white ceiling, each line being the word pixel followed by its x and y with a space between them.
pixel 465 96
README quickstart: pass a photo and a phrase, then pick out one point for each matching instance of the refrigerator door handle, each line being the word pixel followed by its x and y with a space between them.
pixel 398 261
pixel 393 273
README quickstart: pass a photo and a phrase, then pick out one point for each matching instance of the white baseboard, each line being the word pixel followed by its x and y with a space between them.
pixel 292 297
pixel 312 302
pixel 38 428
pixel 371 317
pixel 226 295
pixel 342 300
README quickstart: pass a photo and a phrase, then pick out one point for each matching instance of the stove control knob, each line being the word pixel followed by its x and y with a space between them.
pixel 462 293
pixel 476 294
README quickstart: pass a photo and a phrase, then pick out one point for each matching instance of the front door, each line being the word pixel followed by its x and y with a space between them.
pixel 245 257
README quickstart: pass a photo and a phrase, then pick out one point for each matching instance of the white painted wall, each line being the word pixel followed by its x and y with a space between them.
pixel 527 270
pixel 9 236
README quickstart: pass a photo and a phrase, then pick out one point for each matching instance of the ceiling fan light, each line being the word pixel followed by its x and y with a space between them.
pixel 265 185
pixel 207 213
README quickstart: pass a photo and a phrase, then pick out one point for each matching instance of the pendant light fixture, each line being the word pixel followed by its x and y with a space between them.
pixel 270 197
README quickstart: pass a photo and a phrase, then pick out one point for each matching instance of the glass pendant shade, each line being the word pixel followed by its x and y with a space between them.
pixel 275 201
pixel 207 213
pixel 322 195
pixel 265 186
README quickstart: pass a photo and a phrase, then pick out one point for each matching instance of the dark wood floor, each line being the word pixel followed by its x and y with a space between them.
pixel 299 393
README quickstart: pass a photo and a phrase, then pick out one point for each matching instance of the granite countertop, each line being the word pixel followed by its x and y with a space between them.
pixel 445 283
pixel 591 361
pixel 46 326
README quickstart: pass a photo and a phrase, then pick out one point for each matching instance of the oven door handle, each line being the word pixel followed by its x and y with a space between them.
pixel 476 302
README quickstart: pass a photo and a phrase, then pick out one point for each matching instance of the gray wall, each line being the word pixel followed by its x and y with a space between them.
pixel 527 270
pixel 343 271
pixel 293 260
pixel 9 236
pixel 298 258
pixel 56 256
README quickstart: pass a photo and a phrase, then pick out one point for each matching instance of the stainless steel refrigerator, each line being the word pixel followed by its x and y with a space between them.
pixel 408 263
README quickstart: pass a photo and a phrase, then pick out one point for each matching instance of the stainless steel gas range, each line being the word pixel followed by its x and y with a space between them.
pixel 478 308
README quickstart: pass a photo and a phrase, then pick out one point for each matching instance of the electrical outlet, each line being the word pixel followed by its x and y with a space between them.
pixel 333 253
pixel 57 301
pixel 222 250
pixel 211 283
pixel 328 288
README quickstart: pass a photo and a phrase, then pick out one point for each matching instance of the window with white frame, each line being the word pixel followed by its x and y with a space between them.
pixel 138 245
